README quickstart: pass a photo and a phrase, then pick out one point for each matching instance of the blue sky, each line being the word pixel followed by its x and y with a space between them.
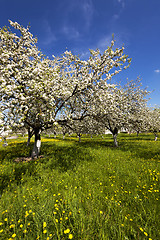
pixel 79 25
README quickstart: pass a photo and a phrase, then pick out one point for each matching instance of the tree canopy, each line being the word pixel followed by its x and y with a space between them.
pixel 37 92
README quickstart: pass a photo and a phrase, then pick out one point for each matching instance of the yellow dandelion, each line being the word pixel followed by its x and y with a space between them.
pixel 70 236
pixel 101 212
pixel 44 224
pixel 12 226
pixel 1 230
pixel 14 235
pixel 141 229
pixel 6 219
pixel 1 223
pixel 145 233
pixel 45 231
pixel 21 225
pixel 67 231
pixel 56 220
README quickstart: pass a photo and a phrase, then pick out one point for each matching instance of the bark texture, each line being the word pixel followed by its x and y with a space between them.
pixel 37 144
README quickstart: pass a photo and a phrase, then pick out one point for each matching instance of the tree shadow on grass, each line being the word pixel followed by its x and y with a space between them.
pixel 139 149
pixel 12 179
pixel 13 151
pixel 64 158
pixel 141 146
pixel 14 172
pixel 59 157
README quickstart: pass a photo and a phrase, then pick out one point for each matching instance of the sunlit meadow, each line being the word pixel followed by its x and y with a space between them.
pixel 88 190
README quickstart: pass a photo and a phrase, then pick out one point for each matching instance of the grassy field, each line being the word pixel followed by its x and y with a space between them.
pixel 88 190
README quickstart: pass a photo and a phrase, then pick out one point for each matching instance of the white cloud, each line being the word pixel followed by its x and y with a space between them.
pixel 70 32
pixel 122 2
pixel 104 42
pixel 49 36
pixel 116 17
pixel 85 54
pixel 157 71
pixel 102 45
pixel 88 11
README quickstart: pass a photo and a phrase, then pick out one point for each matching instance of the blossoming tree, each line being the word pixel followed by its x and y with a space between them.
pixel 153 120
pixel 36 91
pixel 123 107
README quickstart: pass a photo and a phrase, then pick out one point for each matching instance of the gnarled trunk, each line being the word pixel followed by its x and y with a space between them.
pixel 156 136
pixel 37 144
pixel 115 134
pixel 79 136
pixel 30 134
pixel 5 142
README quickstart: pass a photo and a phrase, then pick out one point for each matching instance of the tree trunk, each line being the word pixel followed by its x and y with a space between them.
pixel 37 144
pixel 30 134
pixel 156 136
pixel 28 141
pixel 5 142
pixel 79 136
pixel 55 135
pixel 115 134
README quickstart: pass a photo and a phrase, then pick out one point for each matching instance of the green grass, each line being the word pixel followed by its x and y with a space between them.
pixel 88 190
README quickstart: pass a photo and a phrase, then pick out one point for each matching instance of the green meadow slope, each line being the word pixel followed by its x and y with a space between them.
pixel 88 190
